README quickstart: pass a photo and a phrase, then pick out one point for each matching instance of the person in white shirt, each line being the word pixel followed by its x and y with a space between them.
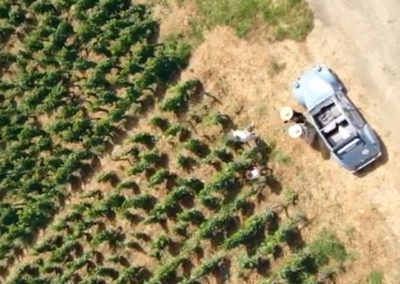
pixel 253 173
pixel 243 136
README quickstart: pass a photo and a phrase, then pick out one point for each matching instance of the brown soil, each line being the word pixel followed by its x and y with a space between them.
pixel 362 210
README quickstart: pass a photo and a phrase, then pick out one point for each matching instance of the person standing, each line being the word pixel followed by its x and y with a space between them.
pixel 287 114
pixel 253 173
pixel 243 136
pixel 303 131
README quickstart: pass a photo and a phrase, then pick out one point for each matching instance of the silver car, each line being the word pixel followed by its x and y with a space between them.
pixel 351 141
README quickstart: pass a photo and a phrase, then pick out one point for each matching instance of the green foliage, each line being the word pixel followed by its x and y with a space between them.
pixel 4 9
pixel 160 243
pixel 252 226
pixel 107 272
pixel 181 96
pixel 221 119
pixel 249 262
pixel 48 244
pixel 223 154
pixel 170 202
pixel 283 234
pixel 207 267
pixel 127 184
pixel 5 32
pixel 139 168
pixel 107 206
pixel 186 162
pixel 6 59
pixel 152 157
pixel 50 76
pixel 197 147
pixel 290 196
pixel 142 201
pixel 285 19
pixel 110 177
pixel 181 229
pixel 276 67
pixel 327 246
pixel 375 277
pixel 159 177
pixel 129 275
pixel 144 138
pixel 191 215
pixel 8 216
pixel 90 105
pixel 165 272
pixel 211 226
pixel 210 201
pixel 62 252
pixel 193 183
pixel 113 237
pixel 282 158
pixel 174 129
pixel 222 180
pixel 298 268
pixel 159 122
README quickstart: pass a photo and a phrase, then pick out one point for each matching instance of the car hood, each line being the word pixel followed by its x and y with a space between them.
pixel 316 87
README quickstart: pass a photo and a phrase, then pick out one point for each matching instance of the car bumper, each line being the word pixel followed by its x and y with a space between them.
pixel 373 159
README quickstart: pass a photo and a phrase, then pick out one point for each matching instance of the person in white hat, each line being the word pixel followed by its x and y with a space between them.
pixel 300 130
pixel 288 114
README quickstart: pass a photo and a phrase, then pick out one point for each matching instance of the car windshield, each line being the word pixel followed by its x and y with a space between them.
pixel 327 115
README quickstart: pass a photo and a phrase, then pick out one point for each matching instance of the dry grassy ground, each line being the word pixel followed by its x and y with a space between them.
pixel 101 232
pixel 250 78
pixel 240 73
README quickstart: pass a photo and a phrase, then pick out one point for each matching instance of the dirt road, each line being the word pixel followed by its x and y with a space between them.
pixel 361 40
pixel 365 36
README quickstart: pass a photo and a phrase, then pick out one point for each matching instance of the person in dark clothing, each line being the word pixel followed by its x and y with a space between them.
pixel 287 114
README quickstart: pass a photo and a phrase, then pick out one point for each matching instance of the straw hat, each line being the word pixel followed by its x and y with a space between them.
pixel 295 131
pixel 286 113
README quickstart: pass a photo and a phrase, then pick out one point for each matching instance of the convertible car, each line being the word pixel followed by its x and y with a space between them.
pixel 351 141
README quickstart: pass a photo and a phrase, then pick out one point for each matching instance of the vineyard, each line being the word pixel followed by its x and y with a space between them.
pixel 113 170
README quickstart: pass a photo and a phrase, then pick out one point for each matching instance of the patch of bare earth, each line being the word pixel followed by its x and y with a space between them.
pixel 239 73
pixel 176 19
pixel 363 210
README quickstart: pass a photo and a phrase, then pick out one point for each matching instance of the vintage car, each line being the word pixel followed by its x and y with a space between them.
pixel 349 138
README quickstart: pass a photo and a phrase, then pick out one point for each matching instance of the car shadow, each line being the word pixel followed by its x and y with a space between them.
pixel 382 160
pixel 319 146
